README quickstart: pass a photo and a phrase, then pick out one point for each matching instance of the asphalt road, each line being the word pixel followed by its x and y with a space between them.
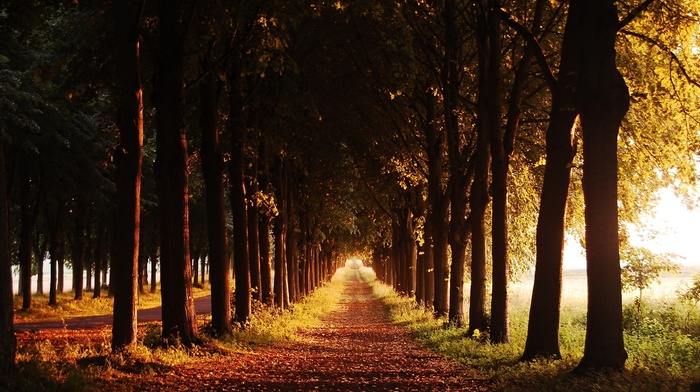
pixel 202 306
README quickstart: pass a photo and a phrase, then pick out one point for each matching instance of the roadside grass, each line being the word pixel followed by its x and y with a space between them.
pixel 87 306
pixel 269 325
pixel 663 344
pixel 86 363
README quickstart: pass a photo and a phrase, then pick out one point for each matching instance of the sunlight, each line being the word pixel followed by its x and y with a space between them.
pixel 353 263
pixel 675 227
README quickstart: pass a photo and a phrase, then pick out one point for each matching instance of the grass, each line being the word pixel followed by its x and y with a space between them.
pixel 87 306
pixel 85 362
pixel 663 342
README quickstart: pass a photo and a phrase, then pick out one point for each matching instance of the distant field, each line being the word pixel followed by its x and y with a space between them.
pixel 574 291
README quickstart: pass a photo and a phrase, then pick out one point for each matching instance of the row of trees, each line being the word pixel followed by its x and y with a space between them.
pixel 486 76
pixel 440 139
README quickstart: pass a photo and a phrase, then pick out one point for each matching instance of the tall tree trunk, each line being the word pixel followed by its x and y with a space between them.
pixel 25 244
pixel 239 202
pixel 280 263
pixel 603 102
pixel 253 240
pixel 79 249
pixel 543 325
pixel 213 173
pixel 498 330
pixel 8 342
pixel 100 255
pixel 291 238
pixel 438 276
pixel 129 157
pixel 479 193
pixel 54 244
pixel 61 260
pixel 264 232
pixel 450 85
pixel 179 320
pixel 40 253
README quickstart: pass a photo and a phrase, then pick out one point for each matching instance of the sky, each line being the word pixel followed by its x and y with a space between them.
pixel 678 228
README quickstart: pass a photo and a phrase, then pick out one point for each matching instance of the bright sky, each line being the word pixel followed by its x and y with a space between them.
pixel 678 228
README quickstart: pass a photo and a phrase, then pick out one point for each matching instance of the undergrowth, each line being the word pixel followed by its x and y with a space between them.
pixel 663 348
pixel 88 364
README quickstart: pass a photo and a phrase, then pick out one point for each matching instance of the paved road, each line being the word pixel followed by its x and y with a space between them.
pixel 202 306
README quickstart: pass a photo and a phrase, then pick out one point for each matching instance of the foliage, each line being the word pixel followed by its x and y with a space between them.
pixel 642 268
pixel 662 352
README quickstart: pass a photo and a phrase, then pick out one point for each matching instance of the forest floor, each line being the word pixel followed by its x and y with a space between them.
pixel 355 348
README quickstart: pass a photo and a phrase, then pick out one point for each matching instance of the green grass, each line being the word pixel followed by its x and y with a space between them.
pixel 663 343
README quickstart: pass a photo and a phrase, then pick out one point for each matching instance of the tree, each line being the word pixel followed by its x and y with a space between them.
pixel 179 321
pixel 213 173
pixel 8 342
pixel 129 154
pixel 543 325
pixel 642 267
pixel 603 101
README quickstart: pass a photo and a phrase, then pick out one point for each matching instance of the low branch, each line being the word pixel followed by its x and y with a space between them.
pixel 532 43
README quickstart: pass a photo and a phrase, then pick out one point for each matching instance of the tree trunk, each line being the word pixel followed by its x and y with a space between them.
pixel 280 232
pixel 253 239
pixel 291 238
pixel 499 329
pixel 239 202
pixel 603 102
pixel 479 193
pixel 179 320
pixel 39 252
pixel 8 342
pixel 25 244
pixel 128 158
pixel 543 325
pixel 154 271
pixel 79 249
pixel 264 233
pixel 450 85
pixel 213 173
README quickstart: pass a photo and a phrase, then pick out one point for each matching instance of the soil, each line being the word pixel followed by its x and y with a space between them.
pixel 355 349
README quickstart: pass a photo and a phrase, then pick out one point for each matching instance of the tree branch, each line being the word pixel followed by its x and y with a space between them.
pixel 633 14
pixel 532 43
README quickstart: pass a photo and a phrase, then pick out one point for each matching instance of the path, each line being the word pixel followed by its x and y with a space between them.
pixel 356 349
pixel 202 305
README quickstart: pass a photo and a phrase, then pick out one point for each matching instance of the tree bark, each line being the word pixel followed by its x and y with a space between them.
pixel 8 341
pixel 179 320
pixel 213 173
pixel 458 172
pixel 25 244
pixel 79 248
pixel 543 325
pixel 264 233
pixel 253 239
pixel 129 157
pixel 498 330
pixel 603 100
pixel 479 193
pixel 239 202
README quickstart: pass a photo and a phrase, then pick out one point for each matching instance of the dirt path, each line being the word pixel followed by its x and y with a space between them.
pixel 356 349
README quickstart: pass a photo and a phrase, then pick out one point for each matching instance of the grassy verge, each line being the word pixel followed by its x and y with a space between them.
pixel 88 306
pixel 69 361
pixel 663 349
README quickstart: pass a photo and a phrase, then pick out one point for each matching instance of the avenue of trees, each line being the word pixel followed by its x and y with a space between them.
pixel 447 142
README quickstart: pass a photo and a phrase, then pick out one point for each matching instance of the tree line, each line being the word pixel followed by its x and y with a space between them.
pixel 446 141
